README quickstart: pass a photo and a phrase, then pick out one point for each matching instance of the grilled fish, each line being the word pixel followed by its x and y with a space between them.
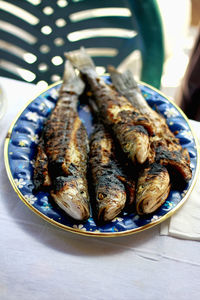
pixel 165 148
pixel 110 192
pixel 153 188
pixel 130 127
pixel 113 188
pixel 66 147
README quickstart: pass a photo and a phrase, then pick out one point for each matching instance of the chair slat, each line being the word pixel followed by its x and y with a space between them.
pixel 142 18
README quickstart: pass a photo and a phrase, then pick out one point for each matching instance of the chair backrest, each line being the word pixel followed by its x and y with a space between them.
pixel 34 35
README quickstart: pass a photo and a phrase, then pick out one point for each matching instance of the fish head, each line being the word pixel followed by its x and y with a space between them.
pixel 110 201
pixel 152 189
pixel 71 195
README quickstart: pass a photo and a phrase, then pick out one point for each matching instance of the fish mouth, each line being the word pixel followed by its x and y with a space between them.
pixel 111 205
pixel 72 198
pixel 109 213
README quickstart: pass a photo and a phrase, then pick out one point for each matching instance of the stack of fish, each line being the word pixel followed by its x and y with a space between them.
pixel 123 120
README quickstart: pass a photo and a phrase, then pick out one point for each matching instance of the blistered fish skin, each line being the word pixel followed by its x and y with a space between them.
pixel 111 105
pixel 110 192
pixel 66 147
pixel 41 176
pixel 165 148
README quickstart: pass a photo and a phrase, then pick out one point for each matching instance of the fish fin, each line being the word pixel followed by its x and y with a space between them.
pixel 123 82
pixel 71 81
pixel 81 60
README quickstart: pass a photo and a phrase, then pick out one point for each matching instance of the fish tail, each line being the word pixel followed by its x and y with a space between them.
pixel 81 60
pixel 124 82
pixel 71 81
pixel 69 72
pixel 126 85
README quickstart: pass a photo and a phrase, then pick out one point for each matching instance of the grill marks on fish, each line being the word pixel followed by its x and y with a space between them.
pixel 115 109
pixel 142 134
pixel 110 183
pixel 123 118
pixel 129 128
pixel 41 176
pixel 65 148
pixel 56 136
pixel 168 151
pixel 176 157
pixel 165 148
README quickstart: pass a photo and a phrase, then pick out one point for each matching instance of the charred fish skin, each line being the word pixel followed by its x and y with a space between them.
pixel 66 146
pixel 110 192
pixel 153 184
pixel 111 105
pixel 41 176
pixel 127 86
pixel 165 148
pixel 175 157
pixel 123 168
pixel 138 149
pixel 152 189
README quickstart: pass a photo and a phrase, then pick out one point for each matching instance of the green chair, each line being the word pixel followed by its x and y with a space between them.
pixel 34 35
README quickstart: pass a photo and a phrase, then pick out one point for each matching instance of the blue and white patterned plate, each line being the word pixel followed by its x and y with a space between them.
pixel 20 147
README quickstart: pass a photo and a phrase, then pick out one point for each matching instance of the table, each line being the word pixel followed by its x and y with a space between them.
pixel 40 261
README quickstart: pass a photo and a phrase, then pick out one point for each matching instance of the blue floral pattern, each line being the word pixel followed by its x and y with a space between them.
pixel 21 152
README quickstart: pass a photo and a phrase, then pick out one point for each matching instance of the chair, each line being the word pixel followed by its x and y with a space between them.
pixel 34 35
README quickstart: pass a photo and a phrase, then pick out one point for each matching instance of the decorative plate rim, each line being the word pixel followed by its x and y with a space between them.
pixel 95 233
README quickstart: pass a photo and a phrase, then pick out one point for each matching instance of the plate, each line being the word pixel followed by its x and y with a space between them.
pixel 20 148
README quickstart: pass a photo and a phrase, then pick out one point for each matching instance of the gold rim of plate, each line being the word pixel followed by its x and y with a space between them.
pixel 96 233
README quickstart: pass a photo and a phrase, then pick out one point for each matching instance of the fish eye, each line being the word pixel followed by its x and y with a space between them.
pixel 83 193
pixel 101 196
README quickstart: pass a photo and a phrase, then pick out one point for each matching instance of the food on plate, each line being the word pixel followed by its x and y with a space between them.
pixel 110 194
pixel 153 184
pixel 165 148
pixel 112 186
pixel 132 153
pixel 131 128
pixel 65 144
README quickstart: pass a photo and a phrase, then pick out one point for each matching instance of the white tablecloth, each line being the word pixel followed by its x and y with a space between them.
pixel 40 261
